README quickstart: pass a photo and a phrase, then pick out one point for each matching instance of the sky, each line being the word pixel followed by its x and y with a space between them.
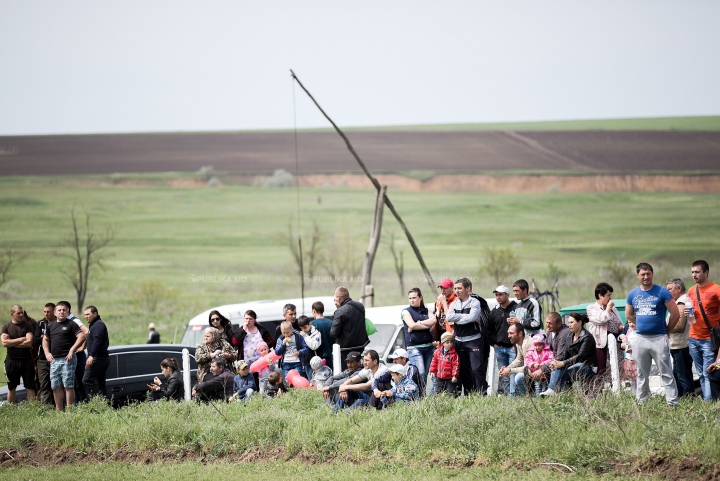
pixel 138 66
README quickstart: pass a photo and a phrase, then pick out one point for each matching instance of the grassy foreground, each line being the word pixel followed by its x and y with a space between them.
pixel 285 470
pixel 437 432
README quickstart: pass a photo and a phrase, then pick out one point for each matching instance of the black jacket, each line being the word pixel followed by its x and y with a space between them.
pixel 348 327
pixel 218 388
pixel 582 350
pixel 240 337
pixel 97 339
pixel 498 318
pixel 174 388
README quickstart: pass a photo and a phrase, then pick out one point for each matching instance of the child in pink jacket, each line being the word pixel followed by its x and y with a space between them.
pixel 537 358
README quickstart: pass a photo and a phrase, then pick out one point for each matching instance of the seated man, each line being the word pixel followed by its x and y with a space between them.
pixel 333 383
pixel 358 390
pixel 220 387
pixel 516 334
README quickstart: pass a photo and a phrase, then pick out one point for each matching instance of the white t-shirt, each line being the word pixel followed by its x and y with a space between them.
pixel 368 375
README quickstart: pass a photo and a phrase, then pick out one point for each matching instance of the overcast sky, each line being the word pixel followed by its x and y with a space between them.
pixel 126 66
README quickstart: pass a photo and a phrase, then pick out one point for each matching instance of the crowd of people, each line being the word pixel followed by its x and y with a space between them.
pixel 447 342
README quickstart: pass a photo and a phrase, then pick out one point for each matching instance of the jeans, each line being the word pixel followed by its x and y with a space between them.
pixel 577 372
pixel 519 388
pixel 421 357
pixel 504 356
pixel 702 356
pixel 647 349
pixel 355 399
pixel 682 371
pixel 287 366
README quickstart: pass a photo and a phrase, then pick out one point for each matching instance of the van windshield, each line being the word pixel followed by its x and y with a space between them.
pixel 380 340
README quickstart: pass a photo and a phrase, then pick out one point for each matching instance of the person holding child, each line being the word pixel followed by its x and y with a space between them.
pixel 445 366
pixel 292 347
pixel 312 339
pixel 538 359
pixel 249 336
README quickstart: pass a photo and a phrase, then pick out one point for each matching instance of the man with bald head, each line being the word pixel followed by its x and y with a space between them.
pixel 348 326
pixel 17 338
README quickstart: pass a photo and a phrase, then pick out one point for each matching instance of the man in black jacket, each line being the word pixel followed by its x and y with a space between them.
pixel 98 359
pixel 348 326
pixel 220 387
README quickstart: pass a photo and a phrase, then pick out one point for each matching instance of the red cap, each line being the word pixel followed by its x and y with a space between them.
pixel 446 283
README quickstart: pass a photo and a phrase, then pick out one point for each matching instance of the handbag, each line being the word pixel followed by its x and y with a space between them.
pixel 714 331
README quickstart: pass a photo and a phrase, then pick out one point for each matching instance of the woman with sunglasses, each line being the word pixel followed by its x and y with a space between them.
pixel 222 324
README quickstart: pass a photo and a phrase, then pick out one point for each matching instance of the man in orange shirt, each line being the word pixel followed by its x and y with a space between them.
pixel 699 341
pixel 446 297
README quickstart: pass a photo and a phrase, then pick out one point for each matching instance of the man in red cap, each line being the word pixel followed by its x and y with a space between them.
pixel 446 297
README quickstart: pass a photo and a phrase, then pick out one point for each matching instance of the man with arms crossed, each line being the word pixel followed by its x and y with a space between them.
pixel 647 305
pixel 17 338
pixel 65 337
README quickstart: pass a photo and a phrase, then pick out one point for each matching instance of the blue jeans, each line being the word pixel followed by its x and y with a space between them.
pixel 504 356
pixel 682 370
pixel 578 371
pixel 702 356
pixel 518 388
pixel 287 366
pixel 421 357
pixel 355 399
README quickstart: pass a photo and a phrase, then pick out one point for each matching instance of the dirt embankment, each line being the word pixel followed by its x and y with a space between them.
pixel 510 184
pixel 36 455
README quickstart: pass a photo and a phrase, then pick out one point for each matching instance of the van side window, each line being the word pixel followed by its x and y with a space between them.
pixel 140 363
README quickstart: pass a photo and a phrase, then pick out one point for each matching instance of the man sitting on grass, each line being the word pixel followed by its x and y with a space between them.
pixel 358 390
pixel 220 387
pixel 333 383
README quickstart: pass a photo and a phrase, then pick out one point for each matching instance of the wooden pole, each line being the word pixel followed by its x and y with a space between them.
pixel 375 182
pixel 374 242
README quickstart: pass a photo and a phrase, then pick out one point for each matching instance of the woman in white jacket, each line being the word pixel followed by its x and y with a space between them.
pixel 604 319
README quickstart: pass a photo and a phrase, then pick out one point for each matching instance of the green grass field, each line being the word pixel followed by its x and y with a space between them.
pixel 206 247
pixel 436 437
pixel 697 123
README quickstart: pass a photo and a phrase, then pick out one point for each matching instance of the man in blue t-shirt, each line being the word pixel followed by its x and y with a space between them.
pixel 648 305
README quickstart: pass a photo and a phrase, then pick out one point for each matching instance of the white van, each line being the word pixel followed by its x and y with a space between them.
pixel 269 314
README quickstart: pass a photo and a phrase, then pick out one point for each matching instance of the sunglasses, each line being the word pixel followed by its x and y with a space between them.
pixel 215 319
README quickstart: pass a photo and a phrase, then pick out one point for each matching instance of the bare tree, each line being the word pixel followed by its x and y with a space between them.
pixel 85 255
pixel 312 254
pixel 619 273
pixel 398 259
pixel 342 260
pixel 10 258
pixel 499 264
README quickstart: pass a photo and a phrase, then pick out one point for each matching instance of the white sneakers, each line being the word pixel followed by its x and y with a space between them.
pixel 547 392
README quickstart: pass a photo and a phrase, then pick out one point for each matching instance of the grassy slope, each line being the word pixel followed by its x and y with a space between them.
pixel 437 432
pixel 187 238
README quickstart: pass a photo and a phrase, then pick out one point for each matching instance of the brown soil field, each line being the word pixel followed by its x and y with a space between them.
pixel 43 455
pixel 614 152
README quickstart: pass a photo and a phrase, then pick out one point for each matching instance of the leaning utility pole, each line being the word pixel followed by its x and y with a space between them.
pixel 378 188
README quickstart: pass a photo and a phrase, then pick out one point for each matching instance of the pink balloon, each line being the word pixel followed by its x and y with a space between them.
pixel 296 380
pixel 259 365
pixel 272 357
